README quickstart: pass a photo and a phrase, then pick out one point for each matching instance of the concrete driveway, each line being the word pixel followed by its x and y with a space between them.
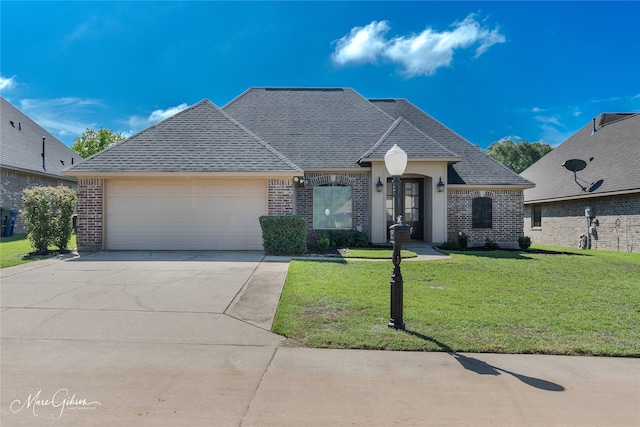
pixel 181 339
pixel 144 334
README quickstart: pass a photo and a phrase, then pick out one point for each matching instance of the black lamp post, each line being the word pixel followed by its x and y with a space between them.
pixel 396 162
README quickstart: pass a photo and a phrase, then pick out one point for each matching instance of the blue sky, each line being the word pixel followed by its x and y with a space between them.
pixel 538 71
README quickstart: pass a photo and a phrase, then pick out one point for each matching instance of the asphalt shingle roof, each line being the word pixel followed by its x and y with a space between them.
pixel 412 140
pixel 611 154
pixel 201 138
pixel 315 128
pixel 21 145
pixel 475 168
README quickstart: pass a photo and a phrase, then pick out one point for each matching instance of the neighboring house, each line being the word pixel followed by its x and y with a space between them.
pixel 201 179
pixel 595 174
pixel 29 156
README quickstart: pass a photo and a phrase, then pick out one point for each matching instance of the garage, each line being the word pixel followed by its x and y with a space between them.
pixel 184 214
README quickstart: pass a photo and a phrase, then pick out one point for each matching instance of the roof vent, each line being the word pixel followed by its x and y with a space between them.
pixel 594 126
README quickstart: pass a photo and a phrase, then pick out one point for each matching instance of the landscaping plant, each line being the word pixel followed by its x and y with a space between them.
pixel 47 215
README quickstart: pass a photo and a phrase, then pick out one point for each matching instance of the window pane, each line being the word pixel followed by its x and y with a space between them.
pixel 332 206
pixel 482 212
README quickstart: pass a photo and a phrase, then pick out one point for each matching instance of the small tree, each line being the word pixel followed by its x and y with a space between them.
pixel 38 216
pixel 48 215
pixel 93 141
pixel 62 206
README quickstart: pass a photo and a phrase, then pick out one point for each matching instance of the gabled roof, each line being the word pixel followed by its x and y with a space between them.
pixel 413 141
pixel 21 145
pixel 475 168
pixel 201 138
pixel 610 148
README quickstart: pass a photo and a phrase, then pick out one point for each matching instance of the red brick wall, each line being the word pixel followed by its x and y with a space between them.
pixel 12 185
pixel 563 222
pixel 281 197
pixel 507 215
pixel 90 214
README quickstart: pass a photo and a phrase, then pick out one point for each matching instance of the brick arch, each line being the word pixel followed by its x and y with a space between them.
pixel 330 179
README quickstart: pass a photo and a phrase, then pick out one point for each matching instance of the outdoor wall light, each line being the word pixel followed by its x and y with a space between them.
pixel 440 185
pixel 379 186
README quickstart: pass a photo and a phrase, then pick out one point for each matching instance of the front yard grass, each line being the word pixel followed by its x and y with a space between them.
pixel 558 301
pixel 17 250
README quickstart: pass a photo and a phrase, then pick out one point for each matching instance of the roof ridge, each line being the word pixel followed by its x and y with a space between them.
pixel 383 138
pixel 261 141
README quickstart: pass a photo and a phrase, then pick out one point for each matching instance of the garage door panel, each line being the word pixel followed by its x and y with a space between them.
pixel 187 215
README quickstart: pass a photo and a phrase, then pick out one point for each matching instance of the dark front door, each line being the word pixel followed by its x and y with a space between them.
pixel 411 203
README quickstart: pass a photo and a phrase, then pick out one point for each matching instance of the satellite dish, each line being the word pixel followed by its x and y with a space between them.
pixel 575 165
pixel 594 186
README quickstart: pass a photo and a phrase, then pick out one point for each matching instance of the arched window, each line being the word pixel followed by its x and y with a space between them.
pixel 482 212
pixel 332 207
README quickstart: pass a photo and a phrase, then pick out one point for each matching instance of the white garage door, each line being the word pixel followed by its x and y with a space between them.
pixel 196 214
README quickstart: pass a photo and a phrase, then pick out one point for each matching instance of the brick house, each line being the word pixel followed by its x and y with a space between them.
pixel 29 156
pixel 201 179
pixel 592 175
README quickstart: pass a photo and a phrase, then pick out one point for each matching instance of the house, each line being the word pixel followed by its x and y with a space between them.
pixel 202 178
pixel 589 185
pixel 29 156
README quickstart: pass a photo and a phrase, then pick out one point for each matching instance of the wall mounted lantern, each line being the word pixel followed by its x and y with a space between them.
pixel 379 186
pixel 440 185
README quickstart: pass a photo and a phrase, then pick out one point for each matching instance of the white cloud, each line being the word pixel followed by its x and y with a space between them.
pixel 7 82
pixel 363 44
pixel 60 116
pixel 137 123
pixel 554 120
pixel 419 54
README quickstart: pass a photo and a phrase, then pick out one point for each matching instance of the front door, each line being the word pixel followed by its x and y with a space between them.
pixel 411 203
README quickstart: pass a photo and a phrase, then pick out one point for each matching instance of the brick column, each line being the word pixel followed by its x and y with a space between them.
pixel 281 199
pixel 90 206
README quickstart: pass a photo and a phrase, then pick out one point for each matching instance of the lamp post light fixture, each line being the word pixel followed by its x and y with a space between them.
pixel 396 162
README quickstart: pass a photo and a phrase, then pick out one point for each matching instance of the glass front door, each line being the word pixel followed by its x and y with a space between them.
pixel 411 202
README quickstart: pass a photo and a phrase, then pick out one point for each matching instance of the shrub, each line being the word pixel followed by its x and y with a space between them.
pixel 62 206
pixel 323 242
pixel 47 215
pixel 451 245
pixel 490 244
pixel 463 240
pixel 347 239
pixel 524 242
pixel 284 235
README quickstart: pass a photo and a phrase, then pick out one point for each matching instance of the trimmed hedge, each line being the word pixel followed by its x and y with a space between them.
pixel 284 235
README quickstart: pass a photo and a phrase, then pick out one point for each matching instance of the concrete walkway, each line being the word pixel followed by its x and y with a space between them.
pixel 181 339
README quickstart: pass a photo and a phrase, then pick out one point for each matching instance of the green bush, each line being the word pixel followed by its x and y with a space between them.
pixel 524 242
pixel 284 235
pixel 463 240
pixel 490 244
pixel 347 239
pixel 323 242
pixel 47 215
pixel 450 245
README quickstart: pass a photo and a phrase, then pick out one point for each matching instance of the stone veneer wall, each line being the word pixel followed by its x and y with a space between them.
pixel 563 222
pixel 360 207
pixel 507 216
pixel 90 207
pixel 14 182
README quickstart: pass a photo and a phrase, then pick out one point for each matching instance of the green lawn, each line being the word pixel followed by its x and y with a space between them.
pixel 375 253
pixel 576 302
pixel 15 250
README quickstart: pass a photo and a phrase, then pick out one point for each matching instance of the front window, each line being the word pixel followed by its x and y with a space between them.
pixel 482 212
pixel 332 207
pixel 536 216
